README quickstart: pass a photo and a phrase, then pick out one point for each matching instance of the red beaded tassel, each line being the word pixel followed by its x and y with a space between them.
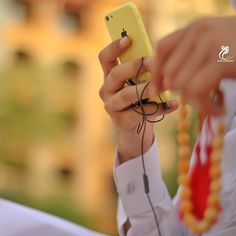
pixel 200 196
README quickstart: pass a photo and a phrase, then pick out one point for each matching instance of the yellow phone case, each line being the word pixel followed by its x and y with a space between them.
pixel 126 20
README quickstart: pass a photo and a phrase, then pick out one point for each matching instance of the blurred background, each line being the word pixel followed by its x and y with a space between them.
pixel 56 142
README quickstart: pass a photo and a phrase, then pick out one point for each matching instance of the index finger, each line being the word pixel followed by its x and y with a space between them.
pixel 108 56
pixel 163 50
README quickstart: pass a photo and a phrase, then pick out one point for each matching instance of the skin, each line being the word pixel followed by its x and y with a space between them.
pixel 118 98
pixel 186 60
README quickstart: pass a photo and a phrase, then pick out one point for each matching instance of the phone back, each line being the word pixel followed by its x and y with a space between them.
pixel 126 20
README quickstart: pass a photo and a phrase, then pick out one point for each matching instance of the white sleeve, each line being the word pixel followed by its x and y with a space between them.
pixel 133 203
pixel 18 220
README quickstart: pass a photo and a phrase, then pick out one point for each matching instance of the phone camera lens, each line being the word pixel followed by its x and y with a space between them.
pixel 107 18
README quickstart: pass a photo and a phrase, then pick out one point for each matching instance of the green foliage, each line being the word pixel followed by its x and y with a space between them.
pixel 170 179
pixel 36 105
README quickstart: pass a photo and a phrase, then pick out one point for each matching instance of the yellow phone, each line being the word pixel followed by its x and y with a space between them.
pixel 125 20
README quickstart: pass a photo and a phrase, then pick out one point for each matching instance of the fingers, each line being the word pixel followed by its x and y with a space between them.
pixel 201 83
pixel 182 77
pixel 135 117
pixel 172 106
pixel 193 40
pixel 186 61
pixel 128 96
pixel 122 99
pixel 181 55
pixel 121 73
pixel 108 56
pixel 164 48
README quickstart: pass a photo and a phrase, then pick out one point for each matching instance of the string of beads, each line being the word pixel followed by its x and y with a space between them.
pixel 211 212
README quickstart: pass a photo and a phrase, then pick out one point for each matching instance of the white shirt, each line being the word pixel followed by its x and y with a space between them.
pixel 17 220
pixel 133 202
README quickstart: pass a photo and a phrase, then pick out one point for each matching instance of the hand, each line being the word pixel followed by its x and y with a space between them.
pixel 187 60
pixel 118 98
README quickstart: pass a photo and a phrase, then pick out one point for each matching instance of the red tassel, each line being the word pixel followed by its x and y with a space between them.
pixel 200 182
pixel 199 176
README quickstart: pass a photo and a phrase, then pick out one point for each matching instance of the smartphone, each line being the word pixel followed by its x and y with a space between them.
pixel 126 20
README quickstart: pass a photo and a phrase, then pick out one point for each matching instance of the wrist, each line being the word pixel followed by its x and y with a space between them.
pixel 129 143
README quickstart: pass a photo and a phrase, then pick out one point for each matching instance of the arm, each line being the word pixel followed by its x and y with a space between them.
pixel 133 203
pixel 193 61
pixel 118 99
pixel 166 209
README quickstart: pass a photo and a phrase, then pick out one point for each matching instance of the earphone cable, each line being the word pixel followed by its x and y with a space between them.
pixel 142 126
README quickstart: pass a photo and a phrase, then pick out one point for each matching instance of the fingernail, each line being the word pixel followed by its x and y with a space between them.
pixel 173 103
pixel 124 42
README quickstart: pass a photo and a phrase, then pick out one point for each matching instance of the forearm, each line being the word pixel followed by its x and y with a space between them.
pixel 134 206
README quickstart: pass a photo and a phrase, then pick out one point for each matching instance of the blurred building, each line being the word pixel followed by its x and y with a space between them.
pixel 55 43
pixel 59 40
